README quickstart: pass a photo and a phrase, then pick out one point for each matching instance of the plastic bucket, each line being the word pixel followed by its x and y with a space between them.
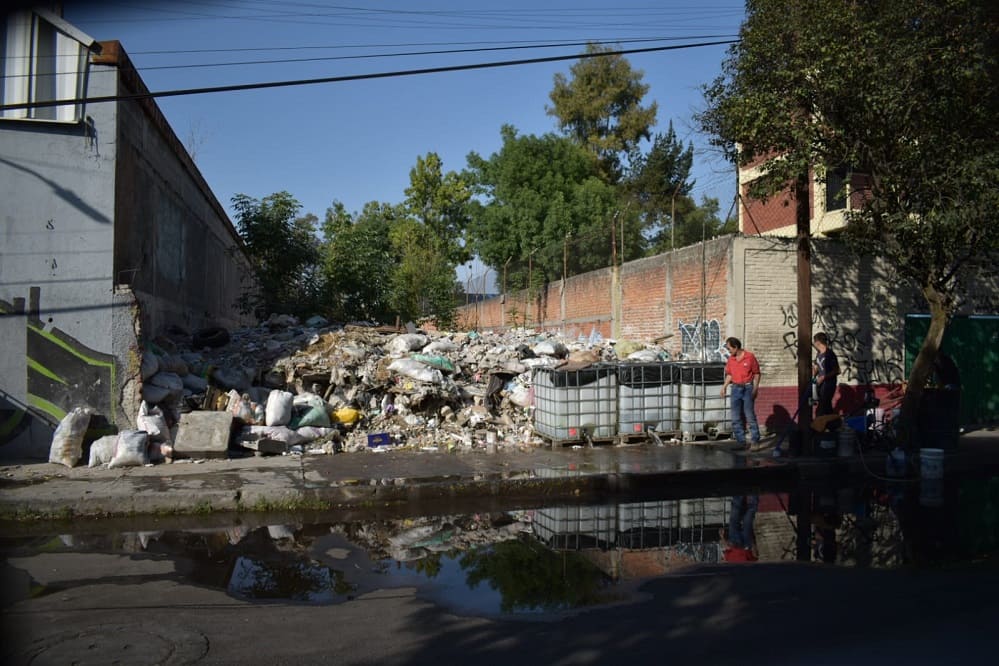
pixel 825 445
pixel 931 492
pixel 846 442
pixel 931 463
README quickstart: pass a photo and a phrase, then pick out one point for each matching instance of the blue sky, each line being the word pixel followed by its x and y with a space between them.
pixel 356 141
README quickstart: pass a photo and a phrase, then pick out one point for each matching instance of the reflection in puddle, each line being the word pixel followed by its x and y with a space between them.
pixel 538 562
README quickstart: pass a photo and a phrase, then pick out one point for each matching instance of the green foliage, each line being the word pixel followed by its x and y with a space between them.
pixel 440 202
pixel 600 108
pixel 904 91
pixel 538 196
pixel 660 183
pixel 694 224
pixel 423 283
pixel 358 260
pixel 399 260
pixel 283 250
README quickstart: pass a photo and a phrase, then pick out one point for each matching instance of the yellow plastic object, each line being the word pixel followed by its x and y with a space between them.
pixel 347 415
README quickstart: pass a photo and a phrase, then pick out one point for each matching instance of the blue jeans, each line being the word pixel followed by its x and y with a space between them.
pixel 742 405
pixel 742 515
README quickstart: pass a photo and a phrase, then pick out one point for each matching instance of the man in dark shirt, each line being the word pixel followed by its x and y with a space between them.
pixel 825 370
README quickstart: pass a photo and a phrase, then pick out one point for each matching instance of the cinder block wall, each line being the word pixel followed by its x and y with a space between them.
pixel 745 287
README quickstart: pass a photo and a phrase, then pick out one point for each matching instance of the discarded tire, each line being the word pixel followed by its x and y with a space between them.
pixel 210 337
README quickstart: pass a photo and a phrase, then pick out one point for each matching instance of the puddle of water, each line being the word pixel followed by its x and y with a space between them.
pixel 529 564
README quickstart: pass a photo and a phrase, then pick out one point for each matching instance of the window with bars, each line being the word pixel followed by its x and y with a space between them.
pixel 44 59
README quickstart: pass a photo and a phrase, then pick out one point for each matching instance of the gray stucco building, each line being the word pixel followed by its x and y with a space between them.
pixel 109 232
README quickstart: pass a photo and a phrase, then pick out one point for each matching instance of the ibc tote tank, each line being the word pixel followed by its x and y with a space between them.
pixel 701 404
pixel 569 404
pixel 648 398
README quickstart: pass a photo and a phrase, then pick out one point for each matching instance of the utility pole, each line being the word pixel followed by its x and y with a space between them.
pixel 565 274
pixel 672 219
pixel 803 225
pixel 503 297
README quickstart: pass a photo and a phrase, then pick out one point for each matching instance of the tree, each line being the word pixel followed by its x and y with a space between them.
pixel 358 261
pixel 904 91
pixel 660 182
pixel 440 201
pixel 283 250
pixel 600 107
pixel 534 196
pixel 423 282
pixel 694 224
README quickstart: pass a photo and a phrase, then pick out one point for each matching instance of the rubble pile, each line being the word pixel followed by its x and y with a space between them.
pixel 287 386
pixel 312 387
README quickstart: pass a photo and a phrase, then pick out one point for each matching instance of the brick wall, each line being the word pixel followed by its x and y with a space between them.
pixel 744 286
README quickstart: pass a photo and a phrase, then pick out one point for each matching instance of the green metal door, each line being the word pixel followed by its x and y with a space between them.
pixel 973 343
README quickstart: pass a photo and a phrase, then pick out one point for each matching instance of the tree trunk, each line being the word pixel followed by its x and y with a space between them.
pixel 941 309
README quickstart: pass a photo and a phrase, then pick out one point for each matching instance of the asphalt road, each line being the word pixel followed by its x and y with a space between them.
pixel 135 610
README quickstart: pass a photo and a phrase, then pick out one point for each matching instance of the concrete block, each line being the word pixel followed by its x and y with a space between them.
pixel 264 445
pixel 203 435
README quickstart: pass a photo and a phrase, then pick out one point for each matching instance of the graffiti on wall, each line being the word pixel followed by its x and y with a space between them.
pixel 701 341
pixel 61 372
pixel 865 355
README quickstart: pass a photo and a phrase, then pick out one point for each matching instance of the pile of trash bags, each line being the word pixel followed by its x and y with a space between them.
pixel 316 387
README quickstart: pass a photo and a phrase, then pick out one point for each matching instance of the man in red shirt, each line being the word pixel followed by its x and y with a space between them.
pixel 742 371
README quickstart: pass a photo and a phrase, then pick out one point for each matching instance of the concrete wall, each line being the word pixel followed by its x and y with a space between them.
pixel 174 244
pixel 56 258
pixel 109 234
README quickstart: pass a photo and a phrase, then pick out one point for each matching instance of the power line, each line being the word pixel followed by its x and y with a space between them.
pixel 354 77
pixel 383 55
pixel 528 42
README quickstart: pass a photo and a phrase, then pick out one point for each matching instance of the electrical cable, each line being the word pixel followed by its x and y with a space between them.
pixel 353 77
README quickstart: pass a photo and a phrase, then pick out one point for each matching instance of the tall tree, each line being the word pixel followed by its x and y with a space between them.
pixel 661 184
pixel 358 261
pixel 904 91
pixel 423 283
pixel 283 250
pixel 439 201
pixel 600 107
pixel 536 196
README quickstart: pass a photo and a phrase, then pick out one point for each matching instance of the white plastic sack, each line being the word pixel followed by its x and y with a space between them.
pixel 407 342
pixel 310 433
pixel 278 410
pixel 152 420
pixel 644 356
pixel 416 370
pixel 67 441
pixel 131 449
pixel 440 347
pixel 551 348
pixel 102 450
pixel 520 395
pixel 273 433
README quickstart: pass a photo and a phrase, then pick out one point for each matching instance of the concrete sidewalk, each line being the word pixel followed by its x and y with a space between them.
pixel 420 479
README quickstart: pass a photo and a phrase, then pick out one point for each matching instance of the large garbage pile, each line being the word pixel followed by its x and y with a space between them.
pixel 313 387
